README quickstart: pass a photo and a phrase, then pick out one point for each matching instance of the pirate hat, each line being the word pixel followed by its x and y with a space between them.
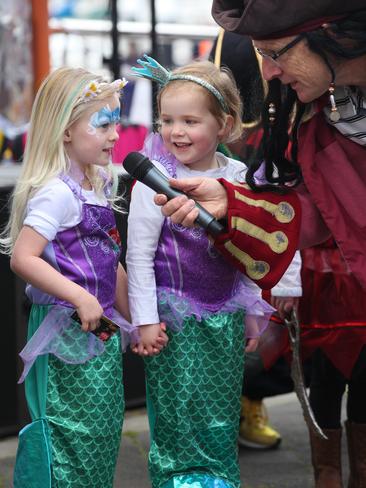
pixel 263 19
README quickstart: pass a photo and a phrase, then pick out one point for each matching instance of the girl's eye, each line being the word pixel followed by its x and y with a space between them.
pixel 104 126
pixel 166 121
pixel 190 122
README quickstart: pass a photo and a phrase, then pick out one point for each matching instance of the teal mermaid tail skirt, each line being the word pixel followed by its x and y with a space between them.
pixel 77 414
pixel 193 392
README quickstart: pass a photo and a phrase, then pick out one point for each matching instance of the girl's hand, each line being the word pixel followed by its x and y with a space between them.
pixel 252 344
pixel 89 311
pixel 152 339
pixel 163 339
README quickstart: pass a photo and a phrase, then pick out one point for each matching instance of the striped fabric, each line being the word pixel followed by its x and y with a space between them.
pixel 351 104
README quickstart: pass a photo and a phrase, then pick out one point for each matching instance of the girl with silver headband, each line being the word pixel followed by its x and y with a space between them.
pixel 176 275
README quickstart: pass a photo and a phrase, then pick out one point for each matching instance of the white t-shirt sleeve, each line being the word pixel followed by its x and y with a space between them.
pixel 51 209
pixel 290 283
pixel 145 221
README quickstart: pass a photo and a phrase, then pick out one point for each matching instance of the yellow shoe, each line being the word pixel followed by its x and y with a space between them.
pixel 254 431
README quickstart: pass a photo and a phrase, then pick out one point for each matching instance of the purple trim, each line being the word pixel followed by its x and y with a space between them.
pixel 74 186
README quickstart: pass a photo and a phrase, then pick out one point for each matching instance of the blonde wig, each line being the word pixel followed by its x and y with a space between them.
pixel 61 100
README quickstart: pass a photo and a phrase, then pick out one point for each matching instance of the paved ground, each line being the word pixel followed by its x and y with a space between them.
pixel 286 467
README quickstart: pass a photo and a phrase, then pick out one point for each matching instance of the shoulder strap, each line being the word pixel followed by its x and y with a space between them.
pixel 74 187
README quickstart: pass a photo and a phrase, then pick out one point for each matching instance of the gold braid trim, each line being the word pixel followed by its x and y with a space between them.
pixel 254 269
pixel 277 240
pixel 283 212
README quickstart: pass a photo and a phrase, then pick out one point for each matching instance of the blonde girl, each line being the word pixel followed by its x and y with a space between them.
pixel 64 243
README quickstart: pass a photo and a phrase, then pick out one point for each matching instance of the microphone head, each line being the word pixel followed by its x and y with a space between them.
pixel 137 165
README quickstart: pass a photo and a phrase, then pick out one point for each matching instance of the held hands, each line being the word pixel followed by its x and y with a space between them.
pixel 208 192
pixel 152 339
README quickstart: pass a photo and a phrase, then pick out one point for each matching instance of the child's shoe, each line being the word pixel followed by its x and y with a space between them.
pixel 254 432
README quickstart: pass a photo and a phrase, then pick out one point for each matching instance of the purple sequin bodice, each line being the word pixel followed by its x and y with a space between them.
pixel 187 264
pixel 87 254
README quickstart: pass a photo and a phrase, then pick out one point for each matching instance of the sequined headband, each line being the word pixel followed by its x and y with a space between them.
pixel 152 70
pixel 92 89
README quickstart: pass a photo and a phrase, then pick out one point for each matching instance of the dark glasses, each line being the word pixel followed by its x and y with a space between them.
pixel 274 55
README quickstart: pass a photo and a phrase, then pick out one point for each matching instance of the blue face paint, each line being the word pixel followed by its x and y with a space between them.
pixel 104 117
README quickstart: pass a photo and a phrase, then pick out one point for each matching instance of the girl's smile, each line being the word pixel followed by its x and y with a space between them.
pixel 188 128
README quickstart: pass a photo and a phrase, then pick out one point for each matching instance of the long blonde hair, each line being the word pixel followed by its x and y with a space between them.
pixel 58 104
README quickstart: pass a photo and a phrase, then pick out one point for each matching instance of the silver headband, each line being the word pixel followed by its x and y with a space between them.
pixel 153 71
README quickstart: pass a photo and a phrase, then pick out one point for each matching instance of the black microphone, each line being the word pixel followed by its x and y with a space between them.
pixel 142 169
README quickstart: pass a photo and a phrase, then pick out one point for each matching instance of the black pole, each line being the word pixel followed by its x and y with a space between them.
pixel 115 60
pixel 154 54
pixel 154 43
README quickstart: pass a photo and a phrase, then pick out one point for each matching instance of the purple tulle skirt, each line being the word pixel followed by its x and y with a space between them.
pixel 62 336
pixel 174 309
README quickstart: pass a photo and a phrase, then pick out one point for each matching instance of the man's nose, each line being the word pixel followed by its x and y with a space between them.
pixel 270 69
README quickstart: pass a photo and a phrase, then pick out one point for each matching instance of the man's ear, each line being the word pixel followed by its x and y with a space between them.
pixel 67 136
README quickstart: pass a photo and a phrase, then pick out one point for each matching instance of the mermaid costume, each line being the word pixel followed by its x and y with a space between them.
pixel 194 384
pixel 76 409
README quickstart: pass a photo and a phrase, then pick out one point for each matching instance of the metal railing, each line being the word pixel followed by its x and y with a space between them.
pixel 89 42
pixel 87 27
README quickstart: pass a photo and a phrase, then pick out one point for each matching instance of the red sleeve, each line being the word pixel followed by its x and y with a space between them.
pixel 313 229
pixel 263 232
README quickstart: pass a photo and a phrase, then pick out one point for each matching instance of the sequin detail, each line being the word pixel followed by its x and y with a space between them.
pixel 194 389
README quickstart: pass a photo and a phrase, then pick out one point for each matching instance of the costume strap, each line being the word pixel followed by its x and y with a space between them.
pixel 74 186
